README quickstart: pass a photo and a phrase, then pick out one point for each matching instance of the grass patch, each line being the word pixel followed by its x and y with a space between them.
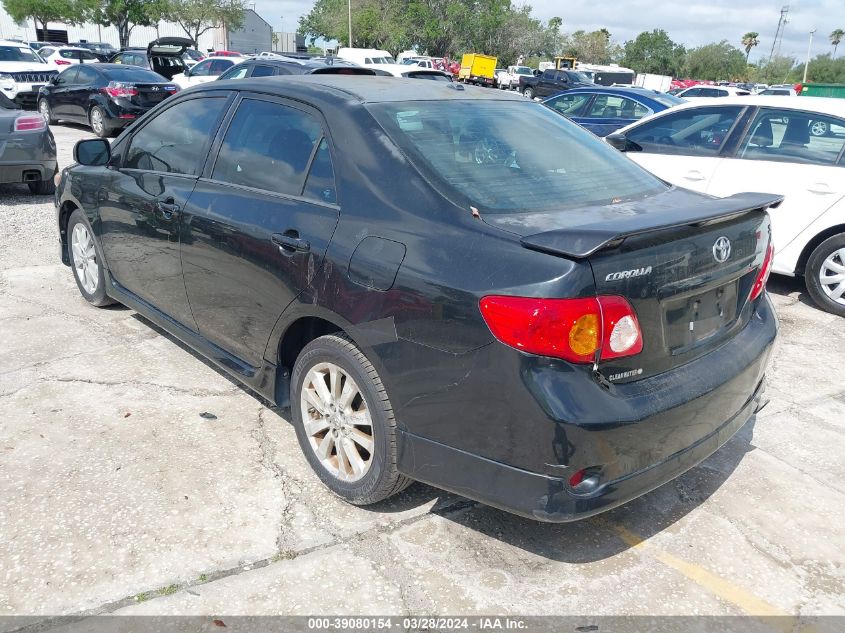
pixel 285 554
pixel 202 578
pixel 168 590
pixel 143 597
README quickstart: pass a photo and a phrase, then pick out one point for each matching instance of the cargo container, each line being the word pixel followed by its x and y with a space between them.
pixel 823 90
pixel 478 69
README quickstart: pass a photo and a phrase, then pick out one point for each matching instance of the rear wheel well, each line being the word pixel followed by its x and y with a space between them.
pixel 296 337
pixel 813 243
pixel 64 216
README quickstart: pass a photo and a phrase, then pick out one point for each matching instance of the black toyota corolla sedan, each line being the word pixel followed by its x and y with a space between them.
pixel 444 284
pixel 107 97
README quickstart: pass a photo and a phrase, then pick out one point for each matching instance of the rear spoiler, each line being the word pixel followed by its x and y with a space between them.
pixel 583 241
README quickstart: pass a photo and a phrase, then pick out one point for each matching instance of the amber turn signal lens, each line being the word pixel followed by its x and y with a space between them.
pixel 584 335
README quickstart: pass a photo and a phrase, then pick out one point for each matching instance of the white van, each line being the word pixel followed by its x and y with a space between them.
pixel 365 56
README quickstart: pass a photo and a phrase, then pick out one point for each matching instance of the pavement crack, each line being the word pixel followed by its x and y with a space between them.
pixel 200 393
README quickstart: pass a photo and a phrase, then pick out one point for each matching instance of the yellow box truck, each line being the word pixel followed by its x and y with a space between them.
pixel 478 69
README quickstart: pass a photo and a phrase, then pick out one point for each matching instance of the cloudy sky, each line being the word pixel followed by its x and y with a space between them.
pixel 691 22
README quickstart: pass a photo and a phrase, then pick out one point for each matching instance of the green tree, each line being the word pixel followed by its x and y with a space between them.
pixel 594 47
pixel 124 15
pixel 716 61
pixel 777 71
pixel 198 16
pixel 826 69
pixel 749 41
pixel 654 52
pixel 44 11
pixel 835 38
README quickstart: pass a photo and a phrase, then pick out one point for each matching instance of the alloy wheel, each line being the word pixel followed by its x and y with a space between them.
pixel 337 422
pixel 832 276
pixel 97 123
pixel 85 258
pixel 44 109
pixel 818 128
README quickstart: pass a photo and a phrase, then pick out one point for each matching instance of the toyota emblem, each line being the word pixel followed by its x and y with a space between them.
pixel 722 250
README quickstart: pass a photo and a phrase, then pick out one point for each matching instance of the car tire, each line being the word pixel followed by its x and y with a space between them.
pixel 819 128
pixel 826 261
pixel 42 187
pixel 86 260
pixel 97 121
pixel 46 111
pixel 528 93
pixel 338 401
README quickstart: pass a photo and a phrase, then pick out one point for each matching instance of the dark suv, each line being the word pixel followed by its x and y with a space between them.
pixel 162 56
pixel 551 82
pixel 447 284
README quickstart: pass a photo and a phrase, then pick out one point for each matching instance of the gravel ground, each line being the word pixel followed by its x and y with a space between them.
pixel 118 496
pixel 28 234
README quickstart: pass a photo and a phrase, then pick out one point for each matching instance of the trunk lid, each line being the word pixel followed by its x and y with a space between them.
pixel 152 94
pixel 685 262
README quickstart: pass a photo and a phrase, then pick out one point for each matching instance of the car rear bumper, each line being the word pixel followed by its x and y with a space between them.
pixel 635 445
pixel 27 172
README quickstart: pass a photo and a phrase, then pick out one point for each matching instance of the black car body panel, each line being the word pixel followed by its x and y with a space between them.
pixel 25 156
pixel 400 268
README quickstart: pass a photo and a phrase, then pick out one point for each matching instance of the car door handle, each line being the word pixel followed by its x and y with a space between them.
pixel 166 208
pixel 820 187
pixel 290 242
pixel 695 176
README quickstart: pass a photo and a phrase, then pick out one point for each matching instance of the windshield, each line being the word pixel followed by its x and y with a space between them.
pixel 506 157
pixel 523 70
pixel 19 54
pixel 668 100
pixel 134 74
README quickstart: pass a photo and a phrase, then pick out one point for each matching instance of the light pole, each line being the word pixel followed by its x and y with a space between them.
pixel 809 50
pixel 350 23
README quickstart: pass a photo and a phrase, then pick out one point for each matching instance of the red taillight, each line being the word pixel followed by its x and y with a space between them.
pixel 572 329
pixel 115 89
pixel 763 275
pixel 30 122
pixel 62 62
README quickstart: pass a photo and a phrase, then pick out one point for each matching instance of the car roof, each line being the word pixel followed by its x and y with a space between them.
pixel 822 105
pixel 13 43
pixel 338 89
pixel 633 91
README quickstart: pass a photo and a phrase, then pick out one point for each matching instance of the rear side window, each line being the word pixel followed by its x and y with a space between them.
pixel 320 184
pixel 77 55
pixel 267 146
pixel 86 75
pixel 613 107
pixel 176 140
pixel 793 136
pixel 263 71
pixel 691 132
pixel 507 157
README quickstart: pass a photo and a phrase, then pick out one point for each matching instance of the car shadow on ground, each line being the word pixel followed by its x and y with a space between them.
pixel 791 288
pixel 585 541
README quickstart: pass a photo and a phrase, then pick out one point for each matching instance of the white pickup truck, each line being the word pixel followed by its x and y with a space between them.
pixel 509 79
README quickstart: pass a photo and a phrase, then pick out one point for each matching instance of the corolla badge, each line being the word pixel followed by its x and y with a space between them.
pixel 722 250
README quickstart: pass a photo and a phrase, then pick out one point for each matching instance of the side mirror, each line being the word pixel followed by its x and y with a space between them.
pixel 619 141
pixel 94 152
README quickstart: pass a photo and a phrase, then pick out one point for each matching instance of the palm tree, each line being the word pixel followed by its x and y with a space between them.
pixel 749 41
pixel 835 38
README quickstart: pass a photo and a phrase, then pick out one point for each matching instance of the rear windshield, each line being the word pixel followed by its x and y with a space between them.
pixel 506 157
pixel 18 54
pixel 667 99
pixel 77 54
pixel 134 74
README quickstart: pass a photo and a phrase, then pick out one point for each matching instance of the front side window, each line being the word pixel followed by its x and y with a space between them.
pixel 569 104
pixel 511 157
pixel 219 66
pixel 793 136
pixel 176 140
pixel 613 107
pixel 690 132
pixel 267 146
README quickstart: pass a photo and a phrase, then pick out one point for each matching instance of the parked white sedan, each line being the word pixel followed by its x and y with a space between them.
pixel 712 92
pixel 783 145
pixel 207 70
